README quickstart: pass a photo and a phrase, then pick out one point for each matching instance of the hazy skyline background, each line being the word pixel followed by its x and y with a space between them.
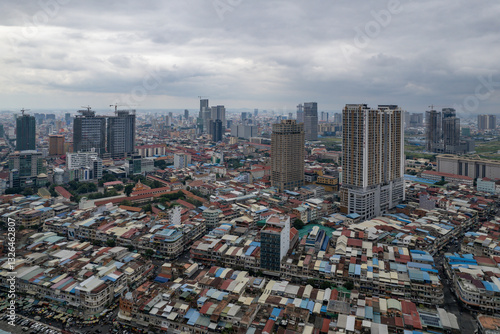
pixel 64 54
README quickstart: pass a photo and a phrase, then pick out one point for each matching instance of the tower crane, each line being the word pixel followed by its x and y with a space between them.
pixel 23 110
pixel 116 105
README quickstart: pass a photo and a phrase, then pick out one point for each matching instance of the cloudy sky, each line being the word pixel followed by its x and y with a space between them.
pixel 267 54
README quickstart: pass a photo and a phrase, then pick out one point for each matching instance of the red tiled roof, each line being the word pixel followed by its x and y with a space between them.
pixel 130 208
pixel 63 192
pixel 269 327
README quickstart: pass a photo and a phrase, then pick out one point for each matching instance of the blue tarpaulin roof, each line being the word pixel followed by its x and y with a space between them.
pixel 303 304
pixel 189 313
pixel 219 272
pixel 250 250
pixel 490 286
pixel 275 313
pixel 193 318
pixel 310 306
pixel 369 312
pixel 160 279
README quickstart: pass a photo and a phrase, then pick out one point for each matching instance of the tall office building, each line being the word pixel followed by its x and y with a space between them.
pixel 40 118
pixel 255 112
pixel 433 131
pixel 219 112
pixel 56 145
pixel 244 131
pixel 324 116
pixel 216 130
pixel 451 130
pixel 300 113
pixel 204 116
pixel 121 133
pixel 486 122
pixel 443 132
pixel 203 106
pixel 274 241
pixel 24 168
pixel 372 159
pixel 337 118
pixel 416 120
pixel 25 132
pixel 89 132
pixel 287 155
pixel 311 120
pixel 67 118
pixel 84 166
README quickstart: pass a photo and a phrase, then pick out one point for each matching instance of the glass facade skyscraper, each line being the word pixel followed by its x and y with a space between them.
pixel 25 133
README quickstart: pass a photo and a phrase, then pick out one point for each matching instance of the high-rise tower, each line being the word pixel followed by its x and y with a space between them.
pixel 287 155
pixel 433 131
pixel 372 159
pixel 25 132
pixel 300 113
pixel 311 120
pixel 56 145
pixel 451 130
pixel 443 131
pixel 89 131
pixel 486 122
pixel 121 133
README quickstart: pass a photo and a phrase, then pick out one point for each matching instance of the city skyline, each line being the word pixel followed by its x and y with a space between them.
pixel 242 54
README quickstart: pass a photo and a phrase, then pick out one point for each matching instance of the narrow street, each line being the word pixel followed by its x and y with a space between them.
pixel 465 319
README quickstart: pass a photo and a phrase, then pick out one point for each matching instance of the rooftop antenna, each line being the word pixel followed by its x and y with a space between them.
pixel 23 110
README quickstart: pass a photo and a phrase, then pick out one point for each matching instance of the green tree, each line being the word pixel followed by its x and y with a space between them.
pixel 298 224
pixel 73 185
pixel 119 187
pixel 52 190
pixel 10 191
pixel 325 285
pixel 149 252
pixel 128 189
pixel 312 282
pixel 27 191
pixel 161 164
pixel 111 243
pixel 108 178
pixel 348 285
pixel 156 184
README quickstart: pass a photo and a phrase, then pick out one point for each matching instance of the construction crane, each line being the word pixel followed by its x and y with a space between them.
pixel 87 107
pixel 23 110
pixel 200 97
pixel 116 105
